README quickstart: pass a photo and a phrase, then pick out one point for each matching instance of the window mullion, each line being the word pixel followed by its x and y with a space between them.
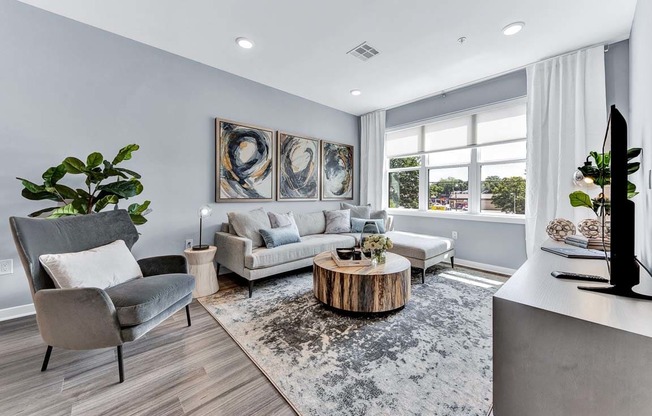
pixel 474 171
pixel 423 185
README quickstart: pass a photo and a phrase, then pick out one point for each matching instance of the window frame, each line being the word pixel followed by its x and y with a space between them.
pixel 474 167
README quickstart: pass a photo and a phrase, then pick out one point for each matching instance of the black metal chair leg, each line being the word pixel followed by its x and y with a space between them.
pixel 120 364
pixel 46 360
pixel 453 262
pixel 188 315
pixel 251 287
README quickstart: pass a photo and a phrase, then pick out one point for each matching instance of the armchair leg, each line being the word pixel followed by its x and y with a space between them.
pixel 188 315
pixel 251 288
pixel 46 360
pixel 121 370
pixel 453 262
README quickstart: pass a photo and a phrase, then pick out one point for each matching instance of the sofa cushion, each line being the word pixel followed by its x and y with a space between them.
pixel 309 246
pixel 102 267
pixel 338 221
pixel 281 220
pixel 312 223
pixel 247 224
pixel 357 211
pixel 275 237
pixel 140 300
pixel 419 246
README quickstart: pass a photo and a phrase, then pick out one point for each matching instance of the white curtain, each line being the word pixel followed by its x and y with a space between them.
pixel 567 117
pixel 372 159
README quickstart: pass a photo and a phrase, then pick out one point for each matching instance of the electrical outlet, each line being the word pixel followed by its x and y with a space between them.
pixel 454 235
pixel 189 243
pixel 6 266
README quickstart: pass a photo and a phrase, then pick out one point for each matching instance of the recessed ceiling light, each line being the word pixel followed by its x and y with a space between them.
pixel 513 28
pixel 356 92
pixel 244 43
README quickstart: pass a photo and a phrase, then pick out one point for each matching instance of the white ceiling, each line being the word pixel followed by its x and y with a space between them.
pixel 301 45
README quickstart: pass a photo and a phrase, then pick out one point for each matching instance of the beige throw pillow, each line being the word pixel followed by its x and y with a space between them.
pixel 247 224
pixel 102 267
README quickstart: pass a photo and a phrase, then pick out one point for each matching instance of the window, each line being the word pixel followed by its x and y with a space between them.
pixel 469 164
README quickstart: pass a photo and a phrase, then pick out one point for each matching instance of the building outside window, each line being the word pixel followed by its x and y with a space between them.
pixel 471 163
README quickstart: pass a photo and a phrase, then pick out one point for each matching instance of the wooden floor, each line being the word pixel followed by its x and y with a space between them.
pixel 173 370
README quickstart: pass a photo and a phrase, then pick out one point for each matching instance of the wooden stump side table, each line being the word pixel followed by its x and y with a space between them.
pixel 200 265
pixel 383 288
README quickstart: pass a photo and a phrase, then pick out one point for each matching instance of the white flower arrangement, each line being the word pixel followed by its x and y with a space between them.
pixel 377 242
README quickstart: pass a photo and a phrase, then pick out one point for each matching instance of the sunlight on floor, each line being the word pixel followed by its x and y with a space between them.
pixel 470 279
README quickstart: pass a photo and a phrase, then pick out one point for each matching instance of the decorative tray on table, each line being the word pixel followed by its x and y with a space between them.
pixel 349 263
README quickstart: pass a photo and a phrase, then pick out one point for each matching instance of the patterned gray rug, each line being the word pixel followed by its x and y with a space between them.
pixel 433 357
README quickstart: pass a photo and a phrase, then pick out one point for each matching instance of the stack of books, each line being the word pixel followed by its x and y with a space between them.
pixel 590 243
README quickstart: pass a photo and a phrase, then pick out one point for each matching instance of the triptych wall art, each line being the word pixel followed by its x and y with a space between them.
pixel 257 164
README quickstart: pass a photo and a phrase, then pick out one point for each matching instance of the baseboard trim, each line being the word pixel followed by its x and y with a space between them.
pixel 486 267
pixel 17 312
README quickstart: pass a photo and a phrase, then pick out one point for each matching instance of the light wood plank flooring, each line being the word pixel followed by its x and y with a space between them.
pixel 173 370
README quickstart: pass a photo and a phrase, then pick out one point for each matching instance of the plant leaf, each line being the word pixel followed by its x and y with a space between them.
pixel 123 189
pixel 38 196
pixel 73 165
pixel 65 192
pixel 82 193
pixel 631 195
pixel 41 211
pixel 633 167
pixel 633 152
pixel 64 211
pixel 53 175
pixel 129 172
pixel 138 208
pixel 580 199
pixel 125 153
pixel 104 201
pixel 631 187
pixel 94 160
pixel 31 186
pixel 138 219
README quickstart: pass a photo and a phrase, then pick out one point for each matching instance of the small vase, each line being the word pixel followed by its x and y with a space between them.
pixel 378 257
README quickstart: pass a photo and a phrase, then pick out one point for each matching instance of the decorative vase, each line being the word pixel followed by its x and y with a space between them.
pixel 558 229
pixel 378 257
pixel 369 228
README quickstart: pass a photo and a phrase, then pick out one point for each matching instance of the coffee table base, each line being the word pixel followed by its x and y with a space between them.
pixel 360 292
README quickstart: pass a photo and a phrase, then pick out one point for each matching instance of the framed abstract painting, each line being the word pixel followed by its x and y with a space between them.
pixel 298 168
pixel 244 162
pixel 337 171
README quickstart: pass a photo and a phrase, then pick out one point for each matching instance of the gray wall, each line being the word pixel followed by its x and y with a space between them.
pixel 640 126
pixel 493 243
pixel 70 89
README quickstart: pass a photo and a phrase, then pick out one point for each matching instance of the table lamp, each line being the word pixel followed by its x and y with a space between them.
pixel 204 211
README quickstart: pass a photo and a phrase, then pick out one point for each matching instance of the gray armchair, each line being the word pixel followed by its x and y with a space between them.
pixel 89 318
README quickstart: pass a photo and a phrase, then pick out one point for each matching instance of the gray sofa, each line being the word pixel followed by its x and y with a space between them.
pixel 238 255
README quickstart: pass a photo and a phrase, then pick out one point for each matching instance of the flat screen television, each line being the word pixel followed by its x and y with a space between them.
pixel 624 270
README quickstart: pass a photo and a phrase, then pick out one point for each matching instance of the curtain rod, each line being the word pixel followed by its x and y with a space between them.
pixel 456 88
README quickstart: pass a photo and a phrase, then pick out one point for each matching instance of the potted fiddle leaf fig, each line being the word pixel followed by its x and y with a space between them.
pixel 106 184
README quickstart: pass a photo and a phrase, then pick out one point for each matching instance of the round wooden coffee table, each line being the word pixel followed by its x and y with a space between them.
pixel 362 289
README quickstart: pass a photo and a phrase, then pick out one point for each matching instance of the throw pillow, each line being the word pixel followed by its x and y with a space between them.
pixel 281 220
pixel 280 236
pixel 102 267
pixel 311 223
pixel 247 224
pixel 357 211
pixel 381 214
pixel 338 221
pixel 357 224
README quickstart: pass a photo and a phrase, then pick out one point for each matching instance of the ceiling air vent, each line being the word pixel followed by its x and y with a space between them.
pixel 363 51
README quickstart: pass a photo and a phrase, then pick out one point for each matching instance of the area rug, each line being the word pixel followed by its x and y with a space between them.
pixel 433 357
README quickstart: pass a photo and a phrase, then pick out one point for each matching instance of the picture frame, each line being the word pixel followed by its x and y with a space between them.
pixel 337 166
pixel 298 167
pixel 245 162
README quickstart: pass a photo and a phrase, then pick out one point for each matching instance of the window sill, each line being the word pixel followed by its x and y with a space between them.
pixel 501 218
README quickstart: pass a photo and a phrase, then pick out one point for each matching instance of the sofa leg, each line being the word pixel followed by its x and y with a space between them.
pixel 188 315
pixel 251 288
pixel 453 262
pixel 46 360
pixel 423 275
pixel 121 370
